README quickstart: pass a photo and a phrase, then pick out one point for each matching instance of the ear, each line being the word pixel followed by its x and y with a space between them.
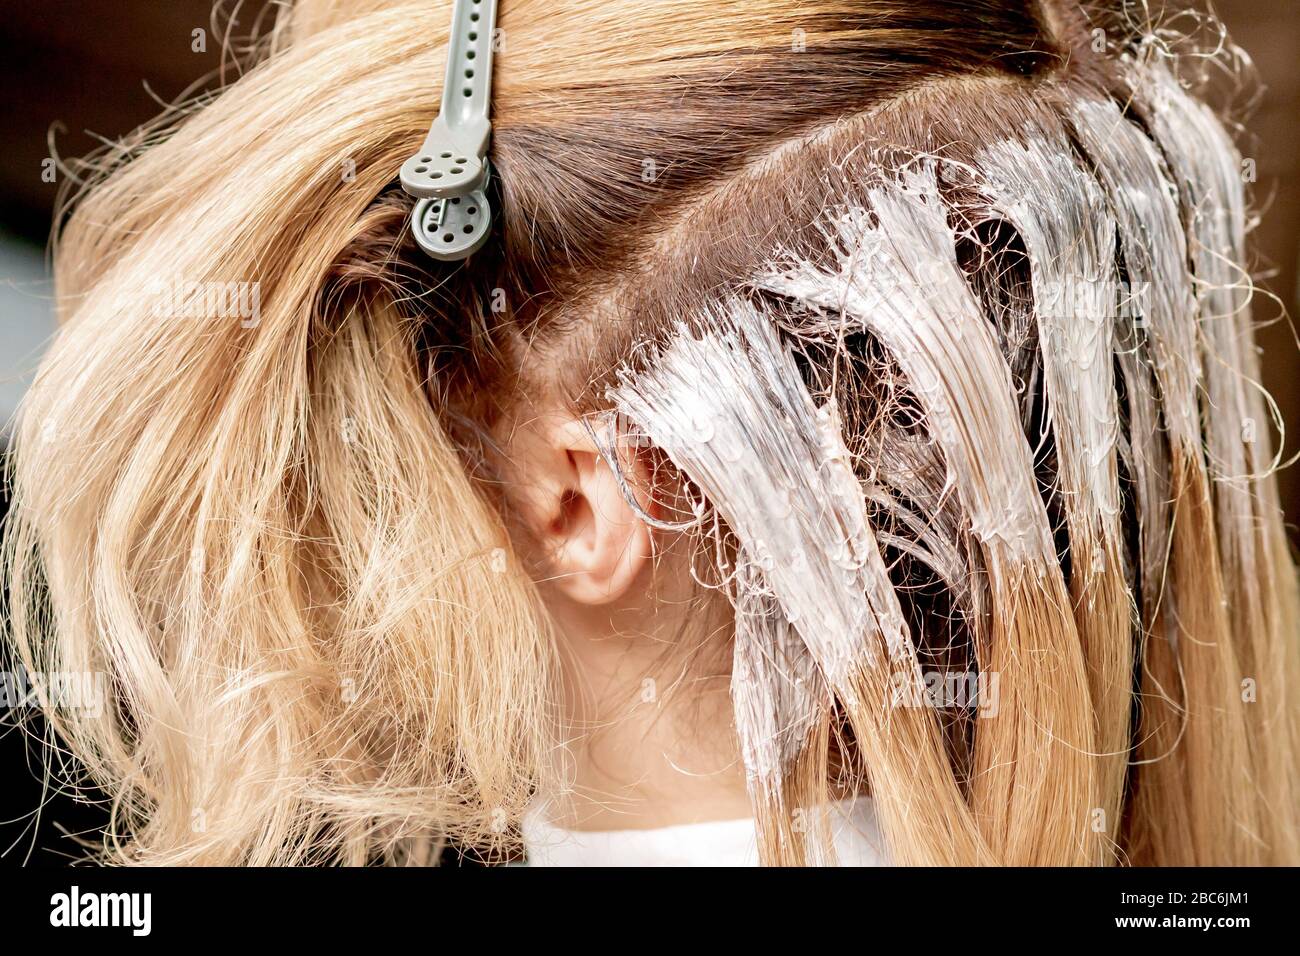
pixel 595 545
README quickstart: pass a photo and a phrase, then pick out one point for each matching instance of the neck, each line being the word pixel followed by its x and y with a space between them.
pixel 647 710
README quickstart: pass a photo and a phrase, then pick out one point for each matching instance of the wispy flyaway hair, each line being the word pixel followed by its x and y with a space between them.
pixel 934 317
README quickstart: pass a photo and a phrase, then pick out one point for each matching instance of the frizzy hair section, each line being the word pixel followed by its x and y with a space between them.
pixel 862 280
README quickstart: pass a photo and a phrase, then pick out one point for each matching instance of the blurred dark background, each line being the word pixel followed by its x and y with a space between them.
pixel 78 72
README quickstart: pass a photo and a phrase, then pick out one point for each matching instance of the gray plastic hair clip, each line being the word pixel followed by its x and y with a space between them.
pixel 449 175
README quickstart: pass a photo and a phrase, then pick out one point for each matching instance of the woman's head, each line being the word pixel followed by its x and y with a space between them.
pixel 941 298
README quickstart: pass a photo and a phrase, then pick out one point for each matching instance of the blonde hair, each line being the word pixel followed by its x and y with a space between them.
pixel 280 537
